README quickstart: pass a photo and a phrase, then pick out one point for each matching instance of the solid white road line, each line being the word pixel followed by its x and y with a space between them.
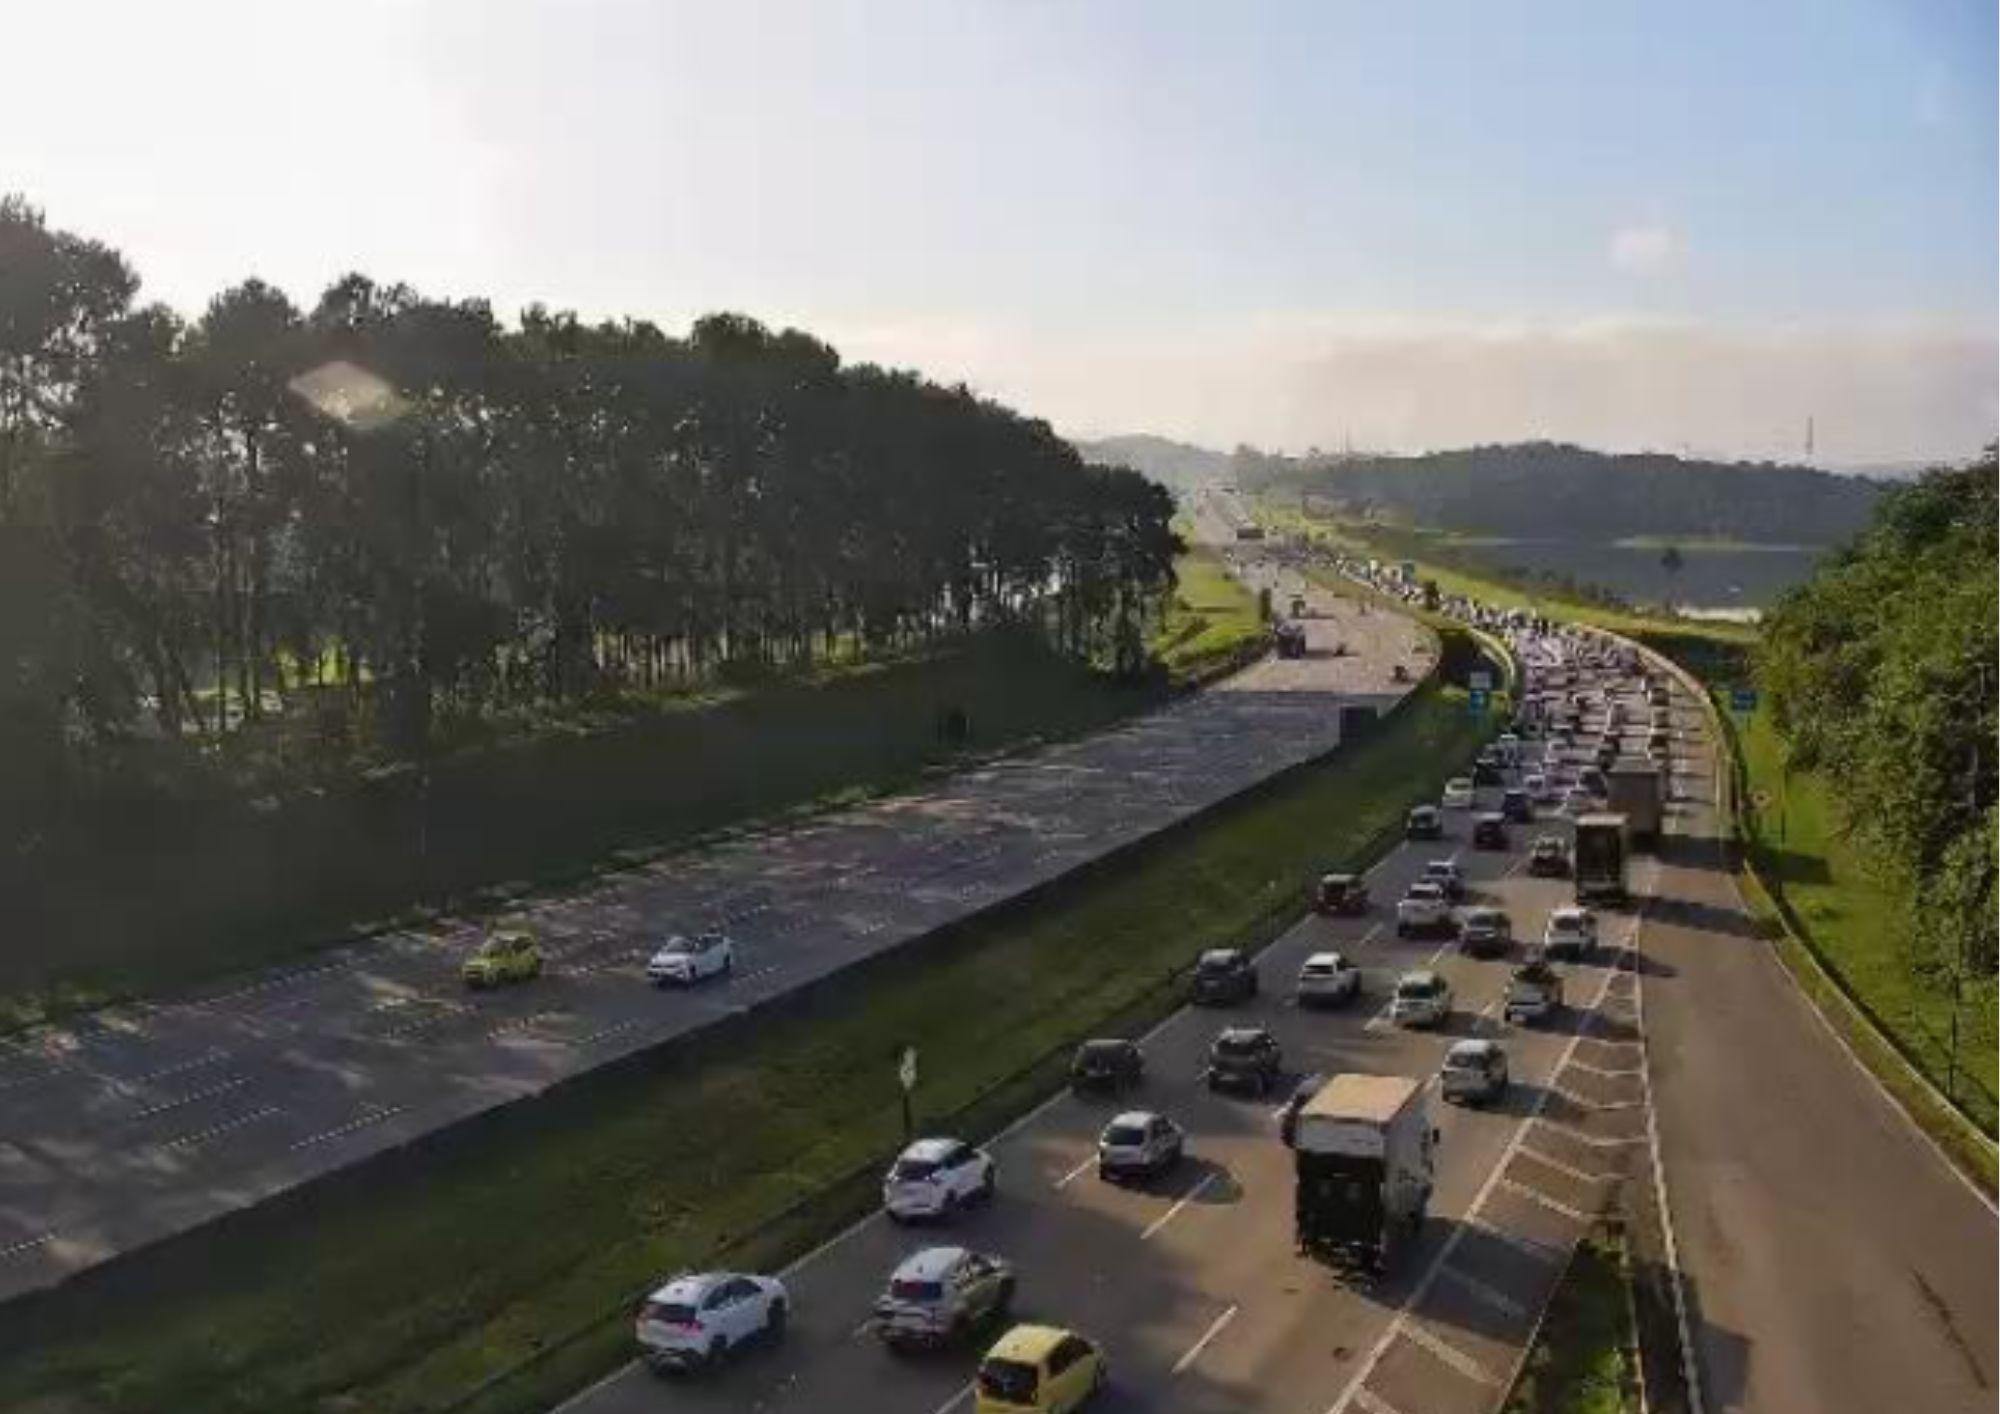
pixel 1214 1330
pixel 1065 1180
pixel 1186 1198
pixel 964 1394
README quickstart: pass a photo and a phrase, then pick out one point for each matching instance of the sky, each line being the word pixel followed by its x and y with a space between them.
pixel 1686 226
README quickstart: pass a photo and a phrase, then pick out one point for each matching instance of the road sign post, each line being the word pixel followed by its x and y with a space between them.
pixel 1476 699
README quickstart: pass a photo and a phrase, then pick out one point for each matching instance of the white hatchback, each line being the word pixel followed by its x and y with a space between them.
pixel 1458 793
pixel 935 1177
pixel 697 1320
pixel 683 961
pixel 1571 933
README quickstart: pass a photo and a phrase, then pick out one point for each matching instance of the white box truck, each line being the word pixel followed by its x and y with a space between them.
pixel 1632 789
pixel 1602 845
pixel 1363 1151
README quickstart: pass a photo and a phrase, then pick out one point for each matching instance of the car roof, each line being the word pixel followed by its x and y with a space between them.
pixel 1325 959
pixel 1242 1033
pixel 1106 1043
pixel 1338 878
pixel 1028 1344
pixel 1487 817
pixel 1450 865
pixel 1484 911
pixel 690 1287
pixel 1140 1118
pixel 1568 913
pixel 1422 974
pixel 1480 1048
pixel 928 1263
pixel 1221 955
pixel 929 1149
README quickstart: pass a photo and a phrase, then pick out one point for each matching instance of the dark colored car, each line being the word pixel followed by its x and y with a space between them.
pixel 1516 806
pixel 1244 1058
pixel 1487 773
pixel 1341 894
pixel 1549 858
pixel 1424 822
pixel 1223 975
pixel 1489 831
pixel 1485 932
pixel 1113 1066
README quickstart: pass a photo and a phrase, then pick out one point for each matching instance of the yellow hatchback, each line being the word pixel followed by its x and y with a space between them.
pixel 504 957
pixel 1039 1370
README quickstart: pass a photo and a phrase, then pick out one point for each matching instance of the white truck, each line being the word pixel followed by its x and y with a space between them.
pixel 1364 1156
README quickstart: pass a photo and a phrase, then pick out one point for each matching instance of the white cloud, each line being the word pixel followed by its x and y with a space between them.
pixel 1644 250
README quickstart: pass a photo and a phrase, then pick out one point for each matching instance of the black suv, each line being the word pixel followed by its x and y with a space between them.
pixel 1489 832
pixel 1111 1065
pixel 1549 858
pixel 1244 1058
pixel 1516 806
pixel 1487 772
pixel 1223 975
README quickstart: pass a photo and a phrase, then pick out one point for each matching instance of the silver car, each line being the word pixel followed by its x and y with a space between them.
pixel 1139 1143
pixel 1474 1072
pixel 941 1295
pixel 1421 999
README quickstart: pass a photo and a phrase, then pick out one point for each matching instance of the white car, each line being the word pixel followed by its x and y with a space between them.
pixel 1139 1143
pixel 1327 978
pixel 1570 933
pixel 697 1320
pixel 1424 909
pixel 1421 999
pixel 935 1177
pixel 683 961
pixel 1458 793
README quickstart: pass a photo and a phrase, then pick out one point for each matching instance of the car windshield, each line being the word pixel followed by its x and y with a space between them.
pixel 1417 988
pixel 913 1170
pixel 1216 962
pixel 1465 1060
pixel 1011 1381
pixel 1101 1053
pixel 1238 1045
pixel 1125 1135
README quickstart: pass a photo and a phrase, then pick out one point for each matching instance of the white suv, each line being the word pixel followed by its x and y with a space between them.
pixel 1424 909
pixel 934 1177
pixel 1327 977
pixel 1458 793
pixel 684 961
pixel 696 1320
pixel 1571 933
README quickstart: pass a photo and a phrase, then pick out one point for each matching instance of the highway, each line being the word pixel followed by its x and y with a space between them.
pixel 1193 1285
pixel 130 1124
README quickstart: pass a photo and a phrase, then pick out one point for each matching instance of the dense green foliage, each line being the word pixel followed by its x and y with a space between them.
pixel 1882 673
pixel 391 509
pixel 1546 490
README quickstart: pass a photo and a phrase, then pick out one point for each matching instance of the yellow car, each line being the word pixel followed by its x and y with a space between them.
pixel 1039 1370
pixel 504 957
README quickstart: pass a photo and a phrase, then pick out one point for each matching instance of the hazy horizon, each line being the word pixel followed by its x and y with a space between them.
pixel 1290 225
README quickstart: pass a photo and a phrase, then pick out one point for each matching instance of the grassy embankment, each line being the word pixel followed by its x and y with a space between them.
pixel 1583 1360
pixel 393 1291
pixel 1847 921
pixel 1211 623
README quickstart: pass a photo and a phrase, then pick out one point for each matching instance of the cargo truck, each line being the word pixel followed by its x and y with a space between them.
pixel 1291 639
pixel 1363 1151
pixel 1602 845
pixel 1632 789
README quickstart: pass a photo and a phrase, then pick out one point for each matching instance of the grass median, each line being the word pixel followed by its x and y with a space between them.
pixel 398 1296
pixel 1583 1357
pixel 1211 623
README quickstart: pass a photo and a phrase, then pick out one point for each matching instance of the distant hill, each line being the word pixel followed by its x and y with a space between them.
pixel 1177 465
pixel 1545 490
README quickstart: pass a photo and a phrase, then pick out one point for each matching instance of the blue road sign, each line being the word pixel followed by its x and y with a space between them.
pixel 1476 699
pixel 1743 699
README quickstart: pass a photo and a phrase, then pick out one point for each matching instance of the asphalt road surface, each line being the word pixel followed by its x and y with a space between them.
pixel 144 1120
pixel 1833 1260
pixel 1193 1284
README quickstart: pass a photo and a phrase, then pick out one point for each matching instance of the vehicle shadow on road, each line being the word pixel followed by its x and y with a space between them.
pixel 1701 917
pixel 1721 1356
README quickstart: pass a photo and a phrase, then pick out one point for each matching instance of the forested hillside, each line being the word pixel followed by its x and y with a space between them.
pixel 1175 464
pixel 1544 490
pixel 1883 671
pixel 388 510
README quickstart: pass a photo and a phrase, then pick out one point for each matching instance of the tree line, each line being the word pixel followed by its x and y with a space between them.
pixel 1547 490
pixel 1882 672
pixel 389 509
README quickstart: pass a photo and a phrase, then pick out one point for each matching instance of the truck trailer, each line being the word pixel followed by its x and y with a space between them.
pixel 1363 1152
pixel 1602 846
pixel 1632 789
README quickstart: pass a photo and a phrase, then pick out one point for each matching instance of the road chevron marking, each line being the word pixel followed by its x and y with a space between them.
pixel 1584 1175
pixel 1426 1339
pixel 1595 1141
pixel 1372 1403
pixel 1534 1194
pixel 1401 1320
pixel 1600 1105
pixel 1611 1074
pixel 1491 1295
